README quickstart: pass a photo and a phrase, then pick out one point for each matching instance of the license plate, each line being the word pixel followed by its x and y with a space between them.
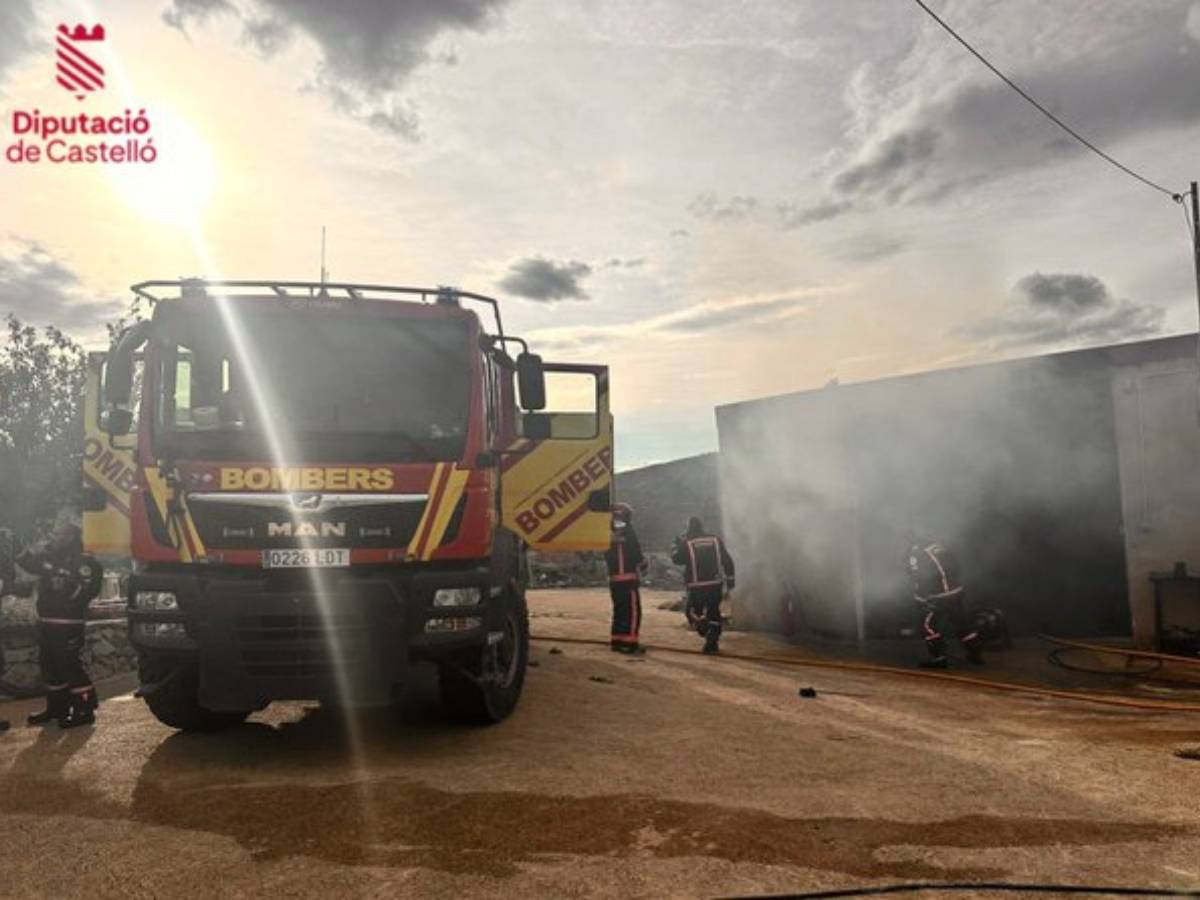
pixel 324 558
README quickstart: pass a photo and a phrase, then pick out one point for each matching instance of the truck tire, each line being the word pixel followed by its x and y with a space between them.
pixel 174 702
pixel 483 685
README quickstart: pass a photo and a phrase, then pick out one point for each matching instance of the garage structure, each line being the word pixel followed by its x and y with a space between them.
pixel 1061 482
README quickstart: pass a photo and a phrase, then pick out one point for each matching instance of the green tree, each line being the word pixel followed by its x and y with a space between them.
pixel 41 426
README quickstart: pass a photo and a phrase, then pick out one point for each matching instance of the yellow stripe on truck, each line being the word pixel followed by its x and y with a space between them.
pixel 449 500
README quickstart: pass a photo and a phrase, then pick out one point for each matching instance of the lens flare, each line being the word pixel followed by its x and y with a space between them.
pixel 283 454
pixel 176 187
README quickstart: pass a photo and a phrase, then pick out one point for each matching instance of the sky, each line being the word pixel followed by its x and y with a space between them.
pixel 719 200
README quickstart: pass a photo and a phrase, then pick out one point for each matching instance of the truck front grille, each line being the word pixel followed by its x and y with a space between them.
pixel 302 645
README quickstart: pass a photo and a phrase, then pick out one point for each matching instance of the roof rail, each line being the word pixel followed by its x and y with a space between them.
pixel 313 290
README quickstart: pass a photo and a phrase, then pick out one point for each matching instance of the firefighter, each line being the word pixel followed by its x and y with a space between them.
pixel 942 595
pixel 68 579
pixel 625 565
pixel 707 571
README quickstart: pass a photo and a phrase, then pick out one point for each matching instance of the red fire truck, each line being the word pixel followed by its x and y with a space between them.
pixel 323 484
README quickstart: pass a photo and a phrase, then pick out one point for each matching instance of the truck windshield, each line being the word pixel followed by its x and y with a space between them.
pixel 365 388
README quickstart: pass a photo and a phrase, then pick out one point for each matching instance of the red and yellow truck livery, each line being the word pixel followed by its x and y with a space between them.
pixel 323 484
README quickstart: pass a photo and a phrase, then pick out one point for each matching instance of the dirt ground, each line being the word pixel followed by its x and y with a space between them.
pixel 669 776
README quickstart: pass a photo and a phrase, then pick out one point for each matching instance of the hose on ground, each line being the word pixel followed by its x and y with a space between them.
pixel 1122 651
pixel 1055 657
pixel 1009 887
pixel 872 668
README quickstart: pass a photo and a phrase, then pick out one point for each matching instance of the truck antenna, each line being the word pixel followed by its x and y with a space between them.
pixel 324 274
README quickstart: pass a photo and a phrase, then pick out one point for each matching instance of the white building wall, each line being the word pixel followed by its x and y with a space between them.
pixel 1157 416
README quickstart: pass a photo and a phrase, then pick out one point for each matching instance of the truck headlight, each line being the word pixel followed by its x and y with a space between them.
pixel 461 596
pixel 156 601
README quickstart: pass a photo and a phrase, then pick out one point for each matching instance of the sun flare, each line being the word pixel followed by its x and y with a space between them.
pixel 174 189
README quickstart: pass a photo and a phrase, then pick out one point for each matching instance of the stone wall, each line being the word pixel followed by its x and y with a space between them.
pixel 106 654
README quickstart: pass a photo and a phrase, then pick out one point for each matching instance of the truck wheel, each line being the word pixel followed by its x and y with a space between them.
pixel 174 702
pixel 482 686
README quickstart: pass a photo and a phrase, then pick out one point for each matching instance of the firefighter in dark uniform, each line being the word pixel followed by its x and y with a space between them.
pixel 937 587
pixel 707 571
pixel 625 565
pixel 8 577
pixel 68 579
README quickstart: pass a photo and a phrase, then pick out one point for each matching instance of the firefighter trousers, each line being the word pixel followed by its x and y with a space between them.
pixel 949 615
pixel 627 611
pixel 705 604
pixel 59 649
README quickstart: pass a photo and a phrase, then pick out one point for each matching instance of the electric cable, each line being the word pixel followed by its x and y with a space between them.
pixel 989 886
pixel 872 668
pixel 1049 115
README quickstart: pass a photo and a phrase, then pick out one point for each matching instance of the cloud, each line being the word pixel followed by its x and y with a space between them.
pixel 699 319
pixel 869 248
pixel 1061 309
pixel 1069 293
pixel 266 35
pixel 704 318
pixel 42 289
pixel 182 13
pixel 882 163
pixel 792 215
pixel 709 206
pixel 546 280
pixel 16 25
pixel 934 123
pixel 616 263
pixel 368 48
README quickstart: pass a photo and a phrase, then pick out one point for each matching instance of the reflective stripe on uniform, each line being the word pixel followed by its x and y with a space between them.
pixel 942 572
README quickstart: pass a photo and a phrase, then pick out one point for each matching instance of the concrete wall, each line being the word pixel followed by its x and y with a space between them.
pixel 1155 406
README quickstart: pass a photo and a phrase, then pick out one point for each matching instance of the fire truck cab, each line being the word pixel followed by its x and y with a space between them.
pixel 323 484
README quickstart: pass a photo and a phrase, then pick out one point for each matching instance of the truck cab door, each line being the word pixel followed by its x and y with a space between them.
pixel 108 473
pixel 556 477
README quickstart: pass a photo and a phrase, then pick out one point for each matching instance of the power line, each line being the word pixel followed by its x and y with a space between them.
pixel 1174 195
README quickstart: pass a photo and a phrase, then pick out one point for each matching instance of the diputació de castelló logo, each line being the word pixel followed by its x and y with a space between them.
pixel 76 70
pixel 97 136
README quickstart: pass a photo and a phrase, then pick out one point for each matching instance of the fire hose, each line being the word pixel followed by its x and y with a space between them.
pixel 872 668
pixel 1128 652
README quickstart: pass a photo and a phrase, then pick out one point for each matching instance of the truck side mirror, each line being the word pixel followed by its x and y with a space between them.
pixel 118 368
pixel 116 421
pixel 531 381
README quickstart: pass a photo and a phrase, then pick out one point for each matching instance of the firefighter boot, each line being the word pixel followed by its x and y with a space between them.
pixel 937 653
pixel 81 710
pixel 57 702
pixel 712 638
pixel 974 651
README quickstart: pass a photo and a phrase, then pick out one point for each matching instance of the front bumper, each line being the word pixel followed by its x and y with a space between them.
pixel 304 634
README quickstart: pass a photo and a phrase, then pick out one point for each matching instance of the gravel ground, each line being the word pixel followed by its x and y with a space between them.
pixel 669 776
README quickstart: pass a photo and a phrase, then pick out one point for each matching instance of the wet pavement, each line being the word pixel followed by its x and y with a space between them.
pixel 669 776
